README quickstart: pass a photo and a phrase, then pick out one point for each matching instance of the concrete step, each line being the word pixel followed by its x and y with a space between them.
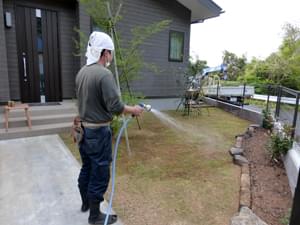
pixel 19 132
pixel 21 121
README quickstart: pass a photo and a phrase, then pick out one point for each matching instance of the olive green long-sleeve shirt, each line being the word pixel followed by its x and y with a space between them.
pixel 97 94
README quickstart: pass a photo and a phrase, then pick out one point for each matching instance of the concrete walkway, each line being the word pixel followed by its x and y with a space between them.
pixel 38 183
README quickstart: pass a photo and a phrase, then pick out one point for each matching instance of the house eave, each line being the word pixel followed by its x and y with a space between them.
pixel 201 9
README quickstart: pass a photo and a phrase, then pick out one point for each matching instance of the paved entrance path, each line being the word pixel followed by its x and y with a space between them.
pixel 38 183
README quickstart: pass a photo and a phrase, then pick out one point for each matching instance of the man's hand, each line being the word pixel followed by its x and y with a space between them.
pixel 138 110
pixel 133 110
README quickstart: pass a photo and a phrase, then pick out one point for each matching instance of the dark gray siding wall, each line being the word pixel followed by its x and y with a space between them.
pixel 170 81
pixel 69 63
pixel 12 58
pixel 4 83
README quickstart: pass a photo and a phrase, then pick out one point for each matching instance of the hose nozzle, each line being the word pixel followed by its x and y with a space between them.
pixel 146 107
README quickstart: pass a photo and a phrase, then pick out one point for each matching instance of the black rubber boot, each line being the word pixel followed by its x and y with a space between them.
pixel 97 217
pixel 85 203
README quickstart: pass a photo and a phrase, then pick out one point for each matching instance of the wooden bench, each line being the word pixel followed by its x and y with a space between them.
pixel 16 107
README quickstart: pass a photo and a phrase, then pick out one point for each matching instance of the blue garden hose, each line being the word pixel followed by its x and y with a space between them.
pixel 113 171
pixel 114 168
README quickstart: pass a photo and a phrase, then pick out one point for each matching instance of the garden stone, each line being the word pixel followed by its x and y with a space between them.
pixel 236 151
pixel 245 169
pixel 240 160
pixel 245 194
pixel 245 197
pixel 249 132
pixel 246 217
pixel 245 181
pixel 239 141
pixel 254 126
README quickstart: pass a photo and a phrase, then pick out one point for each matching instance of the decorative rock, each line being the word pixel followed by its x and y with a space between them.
pixel 236 151
pixel 251 130
pixel 245 181
pixel 245 169
pixel 239 135
pixel 245 193
pixel 239 141
pixel 254 125
pixel 245 197
pixel 240 160
pixel 246 217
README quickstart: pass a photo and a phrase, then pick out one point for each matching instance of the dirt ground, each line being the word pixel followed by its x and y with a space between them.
pixel 271 196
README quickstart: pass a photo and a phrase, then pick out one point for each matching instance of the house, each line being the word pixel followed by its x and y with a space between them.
pixel 37 61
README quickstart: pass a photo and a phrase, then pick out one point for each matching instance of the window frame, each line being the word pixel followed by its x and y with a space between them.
pixel 182 48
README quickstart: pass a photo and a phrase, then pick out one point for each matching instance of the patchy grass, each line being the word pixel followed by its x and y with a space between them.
pixel 178 178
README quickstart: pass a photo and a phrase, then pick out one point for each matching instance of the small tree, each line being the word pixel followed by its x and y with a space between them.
pixel 196 66
pixel 129 59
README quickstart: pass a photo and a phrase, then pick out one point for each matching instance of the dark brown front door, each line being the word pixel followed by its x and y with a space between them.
pixel 38 54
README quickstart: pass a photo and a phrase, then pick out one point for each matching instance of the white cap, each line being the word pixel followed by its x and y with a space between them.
pixel 97 42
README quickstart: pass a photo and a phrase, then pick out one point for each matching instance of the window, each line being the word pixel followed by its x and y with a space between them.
pixel 176 43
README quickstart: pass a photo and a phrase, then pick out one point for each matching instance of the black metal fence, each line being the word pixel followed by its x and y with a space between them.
pixel 286 108
pixel 280 101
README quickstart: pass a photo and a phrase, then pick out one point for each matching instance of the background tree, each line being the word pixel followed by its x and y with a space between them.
pixel 196 66
pixel 281 67
pixel 255 72
pixel 290 52
pixel 235 65
pixel 278 69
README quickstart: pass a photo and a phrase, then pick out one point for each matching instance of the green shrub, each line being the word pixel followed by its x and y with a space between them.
pixel 285 220
pixel 268 121
pixel 281 142
pixel 116 125
pixel 128 99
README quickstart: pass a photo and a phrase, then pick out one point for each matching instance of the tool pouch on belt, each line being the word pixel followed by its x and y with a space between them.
pixel 76 130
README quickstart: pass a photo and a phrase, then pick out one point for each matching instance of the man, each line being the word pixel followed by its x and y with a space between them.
pixel 98 99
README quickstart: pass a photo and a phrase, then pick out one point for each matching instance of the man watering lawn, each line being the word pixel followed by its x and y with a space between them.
pixel 98 100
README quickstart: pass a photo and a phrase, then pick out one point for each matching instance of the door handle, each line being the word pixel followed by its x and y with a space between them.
pixel 24 66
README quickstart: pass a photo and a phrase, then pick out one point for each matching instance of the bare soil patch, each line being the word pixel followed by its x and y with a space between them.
pixel 271 197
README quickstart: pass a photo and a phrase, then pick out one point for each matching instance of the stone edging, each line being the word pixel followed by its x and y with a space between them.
pixel 245 214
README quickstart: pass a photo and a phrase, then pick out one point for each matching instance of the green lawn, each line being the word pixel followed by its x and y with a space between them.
pixel 175 177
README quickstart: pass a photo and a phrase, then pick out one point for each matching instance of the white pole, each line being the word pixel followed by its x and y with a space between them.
pixel 117 74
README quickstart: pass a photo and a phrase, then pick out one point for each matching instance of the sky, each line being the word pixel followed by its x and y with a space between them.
pixel 249 27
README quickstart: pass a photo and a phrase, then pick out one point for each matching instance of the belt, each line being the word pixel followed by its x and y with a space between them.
pixel 94 125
